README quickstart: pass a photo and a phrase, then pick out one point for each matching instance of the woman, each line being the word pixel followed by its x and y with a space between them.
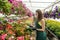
pixel 40 25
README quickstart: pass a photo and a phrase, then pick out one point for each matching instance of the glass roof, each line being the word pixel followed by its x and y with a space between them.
pixel 38 4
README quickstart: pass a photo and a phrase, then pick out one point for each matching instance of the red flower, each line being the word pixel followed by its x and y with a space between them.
pixel 9 26
pixel 18 21
pixel 10 32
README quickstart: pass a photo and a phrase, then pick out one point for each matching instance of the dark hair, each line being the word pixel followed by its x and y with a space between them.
pixel 40 15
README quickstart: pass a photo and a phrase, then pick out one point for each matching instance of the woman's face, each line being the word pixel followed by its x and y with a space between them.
pixel 36 15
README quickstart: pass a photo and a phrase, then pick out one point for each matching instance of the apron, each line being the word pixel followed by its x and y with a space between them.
pixel 40 35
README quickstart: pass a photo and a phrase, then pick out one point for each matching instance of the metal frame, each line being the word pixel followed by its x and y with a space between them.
pixel 37 2
pixel 53 3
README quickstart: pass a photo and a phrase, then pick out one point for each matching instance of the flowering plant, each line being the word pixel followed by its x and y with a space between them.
pixel 53 14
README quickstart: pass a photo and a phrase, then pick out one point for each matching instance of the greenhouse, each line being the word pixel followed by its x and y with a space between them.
pixel 29 19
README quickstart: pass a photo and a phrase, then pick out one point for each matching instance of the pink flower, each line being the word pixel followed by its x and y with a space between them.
pixel 1 28
pixel 3 36
pixel 20 38
pixel 10 20
pixel 19 1
pixel 30 14
pixel 24 6
pixel 15 3
pixel 10 1
pixel 11 38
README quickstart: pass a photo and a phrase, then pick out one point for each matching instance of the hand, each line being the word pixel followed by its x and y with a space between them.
pixel 37 29
pixel 33 28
